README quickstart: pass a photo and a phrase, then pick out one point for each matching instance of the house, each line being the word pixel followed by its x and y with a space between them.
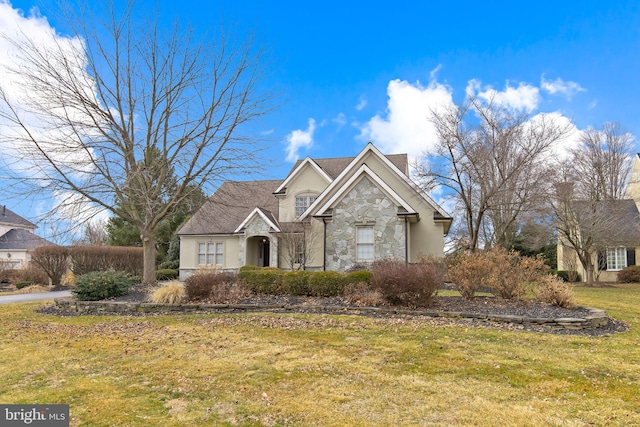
pixel 614 225
pixel 17 239
pixel 326 214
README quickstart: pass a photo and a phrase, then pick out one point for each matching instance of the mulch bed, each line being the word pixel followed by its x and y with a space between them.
pixel 478 305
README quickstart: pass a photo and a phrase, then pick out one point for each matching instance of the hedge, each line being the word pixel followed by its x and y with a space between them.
pixel 86 259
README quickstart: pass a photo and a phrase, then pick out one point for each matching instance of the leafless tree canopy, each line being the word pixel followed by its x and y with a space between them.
pixel 588 204
pixel 601 165
pixel 129 104
pixel 494 161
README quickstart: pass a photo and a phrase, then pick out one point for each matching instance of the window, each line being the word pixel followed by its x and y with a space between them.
pixel 616 258
pixel 210 253
pixel 303 202
pixel 298 256
pixel 364 243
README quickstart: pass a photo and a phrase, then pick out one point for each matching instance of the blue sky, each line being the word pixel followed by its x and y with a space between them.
pixel 353 72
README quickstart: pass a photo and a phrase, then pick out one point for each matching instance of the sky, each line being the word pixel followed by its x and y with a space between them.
pixel 354 72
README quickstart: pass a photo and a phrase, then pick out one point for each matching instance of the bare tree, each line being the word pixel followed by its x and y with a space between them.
pixel 94 234
pixel 53 260
pixel 129 104
pixel 492 159
pixel 601 165
pixel 297 241
pixel 590 212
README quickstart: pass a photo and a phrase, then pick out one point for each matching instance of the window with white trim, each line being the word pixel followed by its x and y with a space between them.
pixel 616 258
pixel 303 203
pixel 298 256
pixel 211 253
pixel 364 243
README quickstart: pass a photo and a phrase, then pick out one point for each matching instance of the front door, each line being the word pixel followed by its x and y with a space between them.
pixel 266 253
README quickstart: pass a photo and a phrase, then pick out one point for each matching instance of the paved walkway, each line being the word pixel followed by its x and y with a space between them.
pixel 8 299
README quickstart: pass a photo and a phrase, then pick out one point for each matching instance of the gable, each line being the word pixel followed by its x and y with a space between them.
pixel 258 222
pixel 404 191
pixel 364 181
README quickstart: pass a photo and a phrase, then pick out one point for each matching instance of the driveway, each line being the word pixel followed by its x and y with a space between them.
pixel 8 299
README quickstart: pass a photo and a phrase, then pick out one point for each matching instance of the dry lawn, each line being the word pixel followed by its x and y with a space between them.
pixel 321 370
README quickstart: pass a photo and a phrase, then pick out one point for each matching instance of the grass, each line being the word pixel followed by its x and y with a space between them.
pixel 320 370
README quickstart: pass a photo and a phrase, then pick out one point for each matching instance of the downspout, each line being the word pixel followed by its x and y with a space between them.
pixel 406 240
pixel 324 244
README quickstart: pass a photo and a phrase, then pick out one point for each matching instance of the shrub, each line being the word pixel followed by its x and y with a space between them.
pixel 170 265
pixel 53 260
pixel 32 273
pixel 358 276
pixel 262 281
pixel 326 283
pixel 24 283
pixel 167 274
pixel 33 289
pixel 8 275
pixel 467 271
pixel 209 285
pixel 407 284
pixel 554 291
pixel 505 273
pixel 361 294
pixel 296 283
pixel 86 259
pixel 510 274
pixel 629 275
pixel 566 275
pixel 97 286
pixel 198 286
pixel 248 268
pixel 69 279
pixel 171 293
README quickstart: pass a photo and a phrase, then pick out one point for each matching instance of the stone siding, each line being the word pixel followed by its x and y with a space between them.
pixel 364 204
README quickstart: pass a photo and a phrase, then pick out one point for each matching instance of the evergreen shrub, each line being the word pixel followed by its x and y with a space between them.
pixel 326 283
pixel 167 274
pixel 100 285
pixel 24 284
pixel 296 283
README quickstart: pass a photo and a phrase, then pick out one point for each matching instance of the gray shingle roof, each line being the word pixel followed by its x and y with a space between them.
pixel 334 166
pixel 231 204
pixel 21 239
pixel 234 201
pixel 10 218
pixel 611 222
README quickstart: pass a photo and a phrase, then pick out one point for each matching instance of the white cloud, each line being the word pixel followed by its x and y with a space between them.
pixel 267 132
pixel 571 138
pixel 559 86
pixel 405 127
pixel 593 104
pixel 299 139
pixel 362 102
pixel 522 98
pixel 340 119
pixel 36 111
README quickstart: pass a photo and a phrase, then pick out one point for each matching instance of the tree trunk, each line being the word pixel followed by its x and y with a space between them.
pixel 149 255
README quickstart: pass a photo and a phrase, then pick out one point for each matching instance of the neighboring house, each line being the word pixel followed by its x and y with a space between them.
pixel 614 223
pixel 17 239
pixel 344 211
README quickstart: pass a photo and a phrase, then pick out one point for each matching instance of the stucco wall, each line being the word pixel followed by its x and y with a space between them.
pixel 307 182
pixel 189 253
